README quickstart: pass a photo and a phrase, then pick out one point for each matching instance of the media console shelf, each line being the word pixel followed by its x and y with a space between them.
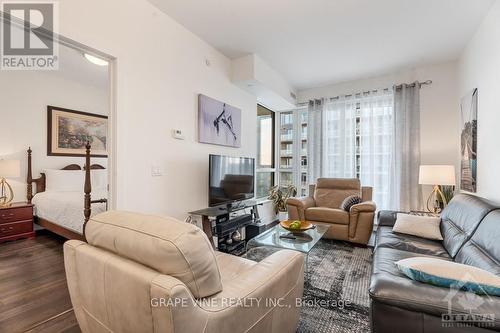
pixel 218 221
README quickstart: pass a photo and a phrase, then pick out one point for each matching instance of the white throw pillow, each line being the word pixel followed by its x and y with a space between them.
pixel 99 179
pixel 449 274
pixel 64 180
pixel 422 226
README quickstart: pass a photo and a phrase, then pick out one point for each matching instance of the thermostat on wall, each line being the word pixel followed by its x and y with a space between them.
pixel 177 134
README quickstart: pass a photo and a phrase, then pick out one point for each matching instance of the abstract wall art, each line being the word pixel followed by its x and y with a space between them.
pixel 218 123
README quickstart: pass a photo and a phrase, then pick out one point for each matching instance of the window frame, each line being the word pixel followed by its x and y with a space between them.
pixel 296 169
pixel 272 169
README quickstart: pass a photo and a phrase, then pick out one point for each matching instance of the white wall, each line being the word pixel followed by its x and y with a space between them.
pixel 161 68
pixel 254 75
pixel 25 96
pixel 479 67
pixel 438 103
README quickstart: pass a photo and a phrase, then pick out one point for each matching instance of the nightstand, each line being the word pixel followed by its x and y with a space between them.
pixel 16 222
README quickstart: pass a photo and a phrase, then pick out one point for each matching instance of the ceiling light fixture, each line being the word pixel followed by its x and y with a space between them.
pixel 95 60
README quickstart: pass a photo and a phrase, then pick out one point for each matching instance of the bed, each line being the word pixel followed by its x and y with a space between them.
pixel 65 208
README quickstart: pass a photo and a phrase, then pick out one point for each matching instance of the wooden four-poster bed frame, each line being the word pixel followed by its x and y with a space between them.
pixel 41 183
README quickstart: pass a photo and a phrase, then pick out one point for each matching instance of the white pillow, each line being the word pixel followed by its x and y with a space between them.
pixel 422 226
pixel 99 179
pixel 449 274
pixel 64 180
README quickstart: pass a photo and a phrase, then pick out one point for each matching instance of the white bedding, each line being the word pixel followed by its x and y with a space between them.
pixel 66 208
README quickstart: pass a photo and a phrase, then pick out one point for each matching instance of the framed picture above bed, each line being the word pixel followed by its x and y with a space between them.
pixel 69 130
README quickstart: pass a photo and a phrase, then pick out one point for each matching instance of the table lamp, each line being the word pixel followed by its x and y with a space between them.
pixel 8 169
pixel 436 175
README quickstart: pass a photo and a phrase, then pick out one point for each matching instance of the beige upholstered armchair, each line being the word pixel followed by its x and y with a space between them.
pixel 322 206
pixel 141 273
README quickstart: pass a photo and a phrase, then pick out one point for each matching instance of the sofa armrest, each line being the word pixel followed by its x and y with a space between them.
pixel 296 207
pixel 361 218
pixel 302 202
pixel 173 306
pixel 266 292
pixel 387 218
pixel 367 206
pixel 247 298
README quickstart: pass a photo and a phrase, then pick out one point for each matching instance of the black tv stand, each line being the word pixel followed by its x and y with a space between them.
pixel 225 225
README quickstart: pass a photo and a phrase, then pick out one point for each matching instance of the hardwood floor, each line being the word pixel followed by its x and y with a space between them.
pixel 34 296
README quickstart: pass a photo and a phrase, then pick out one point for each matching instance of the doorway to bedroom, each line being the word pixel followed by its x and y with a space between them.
pixel 55 114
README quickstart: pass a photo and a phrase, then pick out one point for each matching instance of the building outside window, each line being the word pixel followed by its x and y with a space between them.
pixel 293 149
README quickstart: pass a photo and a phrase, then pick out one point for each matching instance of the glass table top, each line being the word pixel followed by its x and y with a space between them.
pixel 282 238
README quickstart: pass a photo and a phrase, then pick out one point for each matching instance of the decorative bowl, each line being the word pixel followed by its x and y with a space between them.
pixel 304 225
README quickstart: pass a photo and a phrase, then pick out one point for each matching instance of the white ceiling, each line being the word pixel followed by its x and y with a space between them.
pixel 74 66
pixel 318 42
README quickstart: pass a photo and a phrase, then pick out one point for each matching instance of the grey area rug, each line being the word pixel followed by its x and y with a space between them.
pixel 335 288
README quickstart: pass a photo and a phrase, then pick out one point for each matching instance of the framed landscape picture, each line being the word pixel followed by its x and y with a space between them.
pixel 468 143
pixel 218 123
pixel 68 132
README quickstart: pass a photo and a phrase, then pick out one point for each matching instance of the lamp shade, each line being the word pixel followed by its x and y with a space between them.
pixel 437 175
pixel 10 169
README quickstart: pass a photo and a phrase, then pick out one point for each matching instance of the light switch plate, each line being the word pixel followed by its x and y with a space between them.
pixel 156 171
pixel 177 134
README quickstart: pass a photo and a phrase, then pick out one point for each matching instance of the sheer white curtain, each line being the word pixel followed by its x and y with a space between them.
pixel 376 144
pixel 339 140
pixel 358 141
pixel 405 190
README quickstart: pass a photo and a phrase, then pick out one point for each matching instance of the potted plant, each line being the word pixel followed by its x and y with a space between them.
pixel 279 196
pixel 448 192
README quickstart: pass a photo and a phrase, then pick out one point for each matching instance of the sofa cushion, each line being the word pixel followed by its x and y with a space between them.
pixel 483 249
pixel 231 267
pixel 449 274
pixel 164 244
pixel 389 286
pixel 331 215
pixel 330 192
pixel 389 239
pixel 384 260
pixel 421 226
pixel 460 219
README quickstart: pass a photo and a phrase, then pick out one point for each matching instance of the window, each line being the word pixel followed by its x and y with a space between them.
pixel 265 151
pixel 293 149
pixel 358 140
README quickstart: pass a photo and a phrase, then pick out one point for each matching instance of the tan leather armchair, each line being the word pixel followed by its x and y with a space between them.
pixel 322 206
pixel 141 273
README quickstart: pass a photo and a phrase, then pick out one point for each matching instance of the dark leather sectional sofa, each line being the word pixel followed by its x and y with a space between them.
pixel 471 230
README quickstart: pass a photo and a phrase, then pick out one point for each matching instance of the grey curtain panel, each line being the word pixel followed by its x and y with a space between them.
pixel 315 139
pixel 406 193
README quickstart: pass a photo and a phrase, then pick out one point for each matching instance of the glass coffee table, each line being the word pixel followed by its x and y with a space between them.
pixel 280 238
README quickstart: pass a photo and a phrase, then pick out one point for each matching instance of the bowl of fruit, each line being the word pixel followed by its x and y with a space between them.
pixel 296 226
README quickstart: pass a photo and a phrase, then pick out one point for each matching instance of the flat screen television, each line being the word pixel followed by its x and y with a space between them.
pixel 231 179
